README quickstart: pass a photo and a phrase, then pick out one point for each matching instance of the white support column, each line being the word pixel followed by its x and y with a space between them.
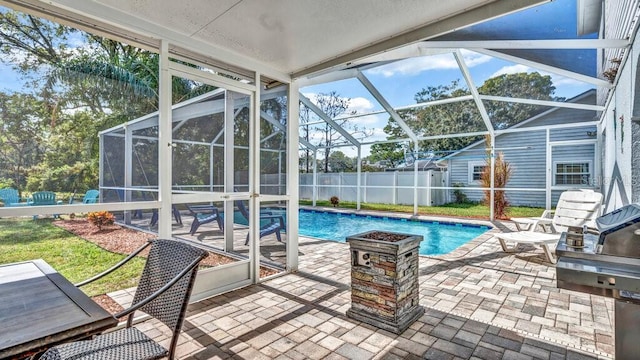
pixel 128 168
pixel 395 187
pixel 358 180
pixel 279 172
pixel 211 175
pixel 340 175
pixel 315 177
pixel 364 190
pixel 429 177
pixel 229 169
pixel 492 214
pixel 165 148
pixel 549 173
pixel 415 179
pixel 293 171
pixel 254 182
pixel 101 167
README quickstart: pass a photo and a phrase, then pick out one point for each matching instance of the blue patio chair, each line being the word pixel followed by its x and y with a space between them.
pixel 275 223
pixel 43 198
pixel 10 197
pixel 203 214
pixel 176 215
pixel 40 198
pixel 91 197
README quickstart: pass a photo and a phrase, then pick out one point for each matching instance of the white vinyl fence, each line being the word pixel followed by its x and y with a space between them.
pixel 378 187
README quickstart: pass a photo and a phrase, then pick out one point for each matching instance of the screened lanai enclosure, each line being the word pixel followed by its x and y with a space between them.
pixel 212 148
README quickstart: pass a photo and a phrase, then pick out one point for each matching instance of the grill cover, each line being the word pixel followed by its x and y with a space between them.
pixel 620 232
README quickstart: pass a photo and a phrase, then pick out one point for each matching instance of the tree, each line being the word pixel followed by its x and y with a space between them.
pixel 79 91
pixel 305 116
pixel 520 85
pixel 463 116
pixel 391 152
pixel 22 124
pixel 333 105
pixel 339 162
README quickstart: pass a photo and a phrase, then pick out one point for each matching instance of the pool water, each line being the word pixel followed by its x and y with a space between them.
pixel 439 237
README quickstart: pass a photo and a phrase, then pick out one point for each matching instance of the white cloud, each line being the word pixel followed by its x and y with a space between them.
pixel 557 79
pixel 513 69
pixel 360 105
pixel 417 65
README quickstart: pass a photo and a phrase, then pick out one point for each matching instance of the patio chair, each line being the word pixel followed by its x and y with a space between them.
pixel 44 198
pixel 40 198
pixel 163 292
pixel 575 208
pixel 174 210
pixel 91 197
pixel 10 197
pixel 203 214
pixel 272 226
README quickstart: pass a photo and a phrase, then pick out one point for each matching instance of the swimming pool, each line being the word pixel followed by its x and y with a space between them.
pixel 439 237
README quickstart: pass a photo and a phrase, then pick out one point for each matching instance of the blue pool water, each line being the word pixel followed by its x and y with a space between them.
pixel 439 237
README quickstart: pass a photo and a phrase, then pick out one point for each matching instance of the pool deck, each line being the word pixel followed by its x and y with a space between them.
pixel 480 302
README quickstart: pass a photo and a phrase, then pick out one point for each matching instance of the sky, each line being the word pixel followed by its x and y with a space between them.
pixel 398 83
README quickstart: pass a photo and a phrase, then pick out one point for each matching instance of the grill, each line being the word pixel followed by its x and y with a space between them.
pixel 608 264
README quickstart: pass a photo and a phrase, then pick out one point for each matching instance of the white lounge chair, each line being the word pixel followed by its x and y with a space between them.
pixel 575 208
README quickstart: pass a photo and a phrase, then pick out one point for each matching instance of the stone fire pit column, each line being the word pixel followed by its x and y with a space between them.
pixel 384 279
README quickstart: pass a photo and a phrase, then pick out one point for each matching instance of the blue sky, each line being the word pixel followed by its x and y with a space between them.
pixel 398 82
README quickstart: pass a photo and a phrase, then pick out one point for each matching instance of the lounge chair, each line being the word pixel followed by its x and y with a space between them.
pixel 274 225
pixel 575 208
pixel 163 292
pixel 11 198
pixel 203 214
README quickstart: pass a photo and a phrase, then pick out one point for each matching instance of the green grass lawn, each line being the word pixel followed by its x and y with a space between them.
pixel 471 210
pixel 73 257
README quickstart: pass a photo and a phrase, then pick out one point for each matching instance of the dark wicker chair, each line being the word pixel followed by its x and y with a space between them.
pixel 203 214
pixel 163 292
pixel 274 224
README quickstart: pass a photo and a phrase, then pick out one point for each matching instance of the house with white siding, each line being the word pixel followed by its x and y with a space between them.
pixel 557 151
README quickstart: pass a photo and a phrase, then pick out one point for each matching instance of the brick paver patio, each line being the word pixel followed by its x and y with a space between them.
pixel 480 302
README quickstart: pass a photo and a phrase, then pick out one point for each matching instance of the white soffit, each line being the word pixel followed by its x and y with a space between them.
pixel 289 36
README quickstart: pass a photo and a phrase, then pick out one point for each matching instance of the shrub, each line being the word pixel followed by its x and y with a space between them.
pixel 335 201
pixel 460 196
pixel 502 174
pixel 101 218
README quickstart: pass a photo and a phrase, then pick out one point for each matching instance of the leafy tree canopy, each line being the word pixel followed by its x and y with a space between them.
pixel 463 116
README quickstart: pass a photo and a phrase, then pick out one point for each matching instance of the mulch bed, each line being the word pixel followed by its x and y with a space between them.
pixel 123 240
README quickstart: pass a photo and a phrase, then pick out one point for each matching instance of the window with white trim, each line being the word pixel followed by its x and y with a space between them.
pixel 475 170
pixel 572 173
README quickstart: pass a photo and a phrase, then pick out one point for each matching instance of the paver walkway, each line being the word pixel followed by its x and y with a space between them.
pixel 480 303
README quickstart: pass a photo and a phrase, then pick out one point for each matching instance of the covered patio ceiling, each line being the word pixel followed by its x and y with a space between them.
pixel 280 39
